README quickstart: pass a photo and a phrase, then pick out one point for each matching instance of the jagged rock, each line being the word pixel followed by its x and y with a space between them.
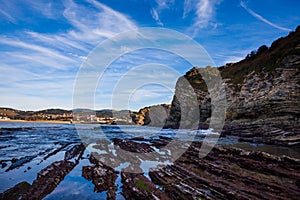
pixel 132 146
pixel 19 162
pixel 15 192
pixel 225 173
pixel 230 174
pixel 48 179
pixel 137 186
pixel 75 151
pixel 103 177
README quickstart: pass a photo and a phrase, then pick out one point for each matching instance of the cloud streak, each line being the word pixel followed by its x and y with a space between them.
pixel 155 16
pixel 204 11
pixel 164 4
pixel 187 7
pixel 161 5
pixel 102 22
pixel 8 16
pixel 37 48
pixel 40 68
pixel 261 18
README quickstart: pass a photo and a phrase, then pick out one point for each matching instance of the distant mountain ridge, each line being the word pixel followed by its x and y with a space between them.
pixel 53 114
pixel 34 115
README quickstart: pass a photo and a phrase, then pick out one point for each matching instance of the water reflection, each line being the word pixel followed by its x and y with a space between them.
pixel 99 169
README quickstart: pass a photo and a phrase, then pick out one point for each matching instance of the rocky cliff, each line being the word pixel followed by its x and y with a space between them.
pixel 262 93
pixel 152 116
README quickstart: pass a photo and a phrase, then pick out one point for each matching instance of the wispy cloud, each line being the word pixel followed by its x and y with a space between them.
pixel 160 6
pixel 205 12
pixel 233 59
pixel 60 41
pixel 98 25
pixel 40 68
pixel 34 47
pixel 187 7
pixel 46 9
pixel 8 16
pixel 141 85
pixel 17 12
pixel 261 18
pixel 24 89
pixel 155 16
pixel 164 4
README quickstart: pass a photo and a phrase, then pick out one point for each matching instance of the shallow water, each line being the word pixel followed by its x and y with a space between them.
pixel 27 148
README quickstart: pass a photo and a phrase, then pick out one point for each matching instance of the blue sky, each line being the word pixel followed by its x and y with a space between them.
pixel 44 43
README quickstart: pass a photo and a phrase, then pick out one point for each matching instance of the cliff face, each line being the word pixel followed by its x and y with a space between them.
pixel 262 93
pixel 152 116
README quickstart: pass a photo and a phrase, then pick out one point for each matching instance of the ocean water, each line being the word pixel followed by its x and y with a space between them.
pixel 34 146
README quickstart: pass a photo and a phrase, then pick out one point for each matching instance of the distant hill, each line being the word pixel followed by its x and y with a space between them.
pixel 84 115
pixel 52 114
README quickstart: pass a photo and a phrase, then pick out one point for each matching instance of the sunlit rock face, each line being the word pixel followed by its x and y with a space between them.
pixel 262 94
pixel 153 115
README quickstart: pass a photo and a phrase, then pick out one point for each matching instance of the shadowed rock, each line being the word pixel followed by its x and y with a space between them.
pixel 75 152
pixel 230 174
pixel 133 146
pixel 15 192
pixel 47 179
pixel 19 162
pixel 137 186
pixel 103 178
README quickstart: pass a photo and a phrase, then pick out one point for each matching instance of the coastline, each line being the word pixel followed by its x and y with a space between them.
pixel 38 121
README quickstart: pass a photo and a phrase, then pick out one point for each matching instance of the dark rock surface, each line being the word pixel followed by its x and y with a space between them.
pixel 225 173
pixel 136 186
pixel 19 162
pixel 16 191
pixel 230 174
pixel 47 179
pixel 103 178
pixel 75 152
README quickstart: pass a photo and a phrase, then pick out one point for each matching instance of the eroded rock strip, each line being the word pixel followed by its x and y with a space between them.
pixel 75 152
pixel 137 186
pixel 103 178
pixel 47 179
pixel 230 174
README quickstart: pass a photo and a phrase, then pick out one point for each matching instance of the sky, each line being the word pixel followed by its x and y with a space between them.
pixel 44 44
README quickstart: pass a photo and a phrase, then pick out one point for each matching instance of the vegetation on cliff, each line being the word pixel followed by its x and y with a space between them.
pixel 262 93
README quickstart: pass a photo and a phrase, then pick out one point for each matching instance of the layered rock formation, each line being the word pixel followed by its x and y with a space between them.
pixel 225 173
pixel 47 179
pixel 262 94
pixel 152 116
pixel 229 174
